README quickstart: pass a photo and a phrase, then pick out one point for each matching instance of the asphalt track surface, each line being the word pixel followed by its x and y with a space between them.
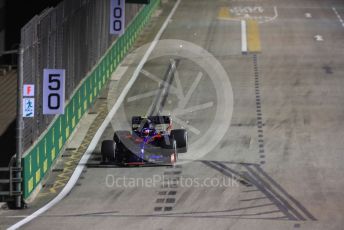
pixel 278 165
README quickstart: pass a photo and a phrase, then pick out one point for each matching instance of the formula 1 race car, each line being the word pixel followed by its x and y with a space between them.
pixel 151 141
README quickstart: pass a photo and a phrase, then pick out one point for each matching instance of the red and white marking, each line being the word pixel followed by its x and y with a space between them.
pixel 29 90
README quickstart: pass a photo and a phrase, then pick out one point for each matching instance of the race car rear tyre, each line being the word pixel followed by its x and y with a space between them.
pixel 174 155
pixel 168 143
pixel 181 137
pixel 108 150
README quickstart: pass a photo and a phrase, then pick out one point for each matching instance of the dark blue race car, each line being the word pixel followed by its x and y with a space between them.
pixel 151 141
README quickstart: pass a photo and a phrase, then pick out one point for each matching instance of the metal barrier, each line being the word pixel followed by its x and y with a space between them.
pixel 8 186
pixel 53 132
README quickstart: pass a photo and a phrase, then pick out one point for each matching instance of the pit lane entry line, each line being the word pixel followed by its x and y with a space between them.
pixel 75 176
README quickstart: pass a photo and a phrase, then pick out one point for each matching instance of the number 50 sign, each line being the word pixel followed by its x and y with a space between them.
pixel 117 19
pixel 53 91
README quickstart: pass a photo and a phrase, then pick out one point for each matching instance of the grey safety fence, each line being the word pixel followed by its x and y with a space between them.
pixel 89 55
pixel 73 36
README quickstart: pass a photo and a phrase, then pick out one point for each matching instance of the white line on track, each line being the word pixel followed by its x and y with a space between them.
pixel 76 174
pixel 338 16
pixel 269 19
pixel 243 37
pixel 308 15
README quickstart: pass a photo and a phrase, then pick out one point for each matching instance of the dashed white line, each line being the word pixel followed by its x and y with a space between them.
pixel 318 38
pixel 338 16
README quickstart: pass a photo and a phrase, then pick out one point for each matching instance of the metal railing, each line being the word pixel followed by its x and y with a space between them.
pixel 72 36
pixel 9 182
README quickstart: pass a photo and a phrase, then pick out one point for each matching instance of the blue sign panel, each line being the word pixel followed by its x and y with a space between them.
pixel 28 107
pixel 117 17
pixel 53 91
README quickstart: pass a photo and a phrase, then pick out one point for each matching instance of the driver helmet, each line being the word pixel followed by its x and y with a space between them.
pixel 146 126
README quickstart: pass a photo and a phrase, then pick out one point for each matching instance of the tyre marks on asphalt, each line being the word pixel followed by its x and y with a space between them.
pixel 272 183
pixel 287 204
pixel 263 197
pixel 169 189
pixel 259 113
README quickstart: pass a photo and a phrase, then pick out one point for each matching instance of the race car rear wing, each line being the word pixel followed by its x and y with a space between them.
pixel 165 121
pixel 157 120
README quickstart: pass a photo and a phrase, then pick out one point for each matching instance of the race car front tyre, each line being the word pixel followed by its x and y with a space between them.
pixel 108 151
pixel 181 137
pixel 118 134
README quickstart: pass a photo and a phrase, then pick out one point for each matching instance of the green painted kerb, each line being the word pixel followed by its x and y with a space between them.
pixel 37 162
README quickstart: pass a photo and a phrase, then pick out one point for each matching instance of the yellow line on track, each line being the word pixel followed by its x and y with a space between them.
pixel 224 13
pixel 253 36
